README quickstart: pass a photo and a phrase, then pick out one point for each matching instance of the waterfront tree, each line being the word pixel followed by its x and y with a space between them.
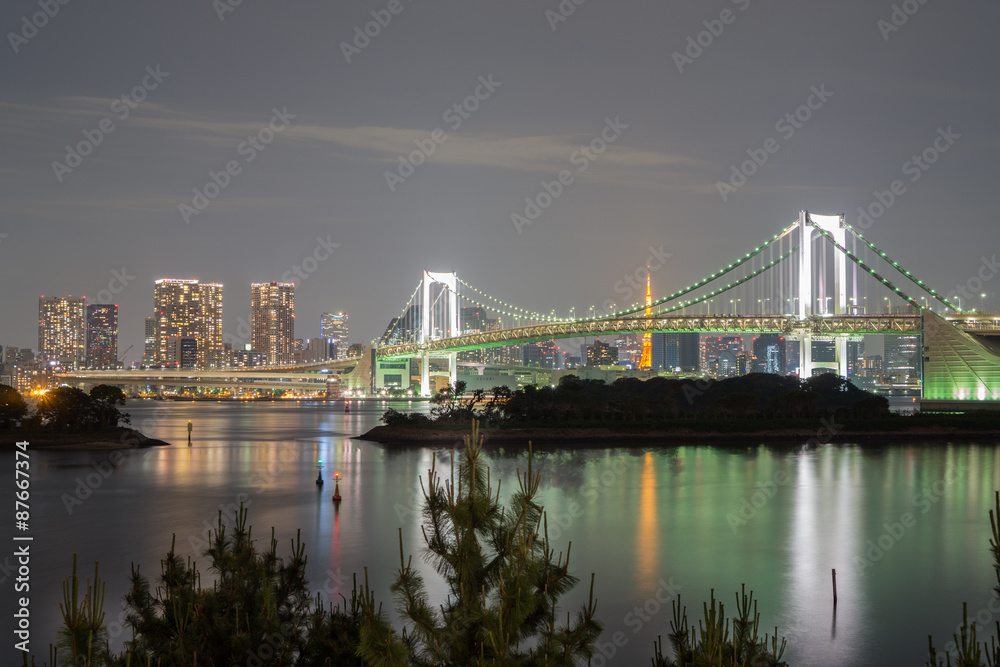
pixel 965 647
pixel 718 640
pixel 67 408
pixel 12 407
pixel 106 400
pixel 257 611
pixel 504 580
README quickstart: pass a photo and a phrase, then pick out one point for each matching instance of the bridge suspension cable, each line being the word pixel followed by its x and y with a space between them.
pixel 514 311
pixel 895 265
pixel 402 314
pixel 874 274
pixel 715 276
pixel 735 283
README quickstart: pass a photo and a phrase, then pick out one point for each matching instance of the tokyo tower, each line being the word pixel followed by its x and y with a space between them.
pixel 646 363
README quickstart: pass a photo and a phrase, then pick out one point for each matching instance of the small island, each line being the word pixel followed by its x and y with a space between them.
pixel 68 418
pixel 751 408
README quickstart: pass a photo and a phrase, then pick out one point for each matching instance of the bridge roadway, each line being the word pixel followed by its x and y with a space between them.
pixel 300 376
pixel 817 325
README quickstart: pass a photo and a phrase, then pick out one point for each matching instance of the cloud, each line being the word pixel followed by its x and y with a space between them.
pixel 621 163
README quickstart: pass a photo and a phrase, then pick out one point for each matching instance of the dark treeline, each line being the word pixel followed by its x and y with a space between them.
pixel 630 400
pixel 64 408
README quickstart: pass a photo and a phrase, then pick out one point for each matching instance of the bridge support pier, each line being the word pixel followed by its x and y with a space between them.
pixel 452 368
pixel 425 375
pixel 805 356
pixel 425 371
pixel 842 356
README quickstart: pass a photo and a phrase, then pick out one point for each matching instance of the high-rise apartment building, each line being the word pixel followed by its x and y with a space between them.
pixel 333 326
pixel 673 351
pixel 62 334
pixel 149 342
pixel 601 354
pixel 102 335
pixel 189 309
pixel 272 320
pixel 182 351
pixel 855 356
pixel 403 328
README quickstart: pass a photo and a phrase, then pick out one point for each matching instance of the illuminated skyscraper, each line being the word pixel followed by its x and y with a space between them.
pixel 769 353
pixel 677 351
pixel 189 309
pixel 62 335
pixel 102 335
pixel 149 342
pixel 333 326
pixel 272 320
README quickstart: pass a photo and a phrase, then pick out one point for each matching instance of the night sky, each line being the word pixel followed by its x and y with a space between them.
pixel 309 117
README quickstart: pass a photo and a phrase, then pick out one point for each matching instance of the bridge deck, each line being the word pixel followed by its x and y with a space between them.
pixel 817 325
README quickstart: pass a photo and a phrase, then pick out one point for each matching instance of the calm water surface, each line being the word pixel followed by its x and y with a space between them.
pixel 646 519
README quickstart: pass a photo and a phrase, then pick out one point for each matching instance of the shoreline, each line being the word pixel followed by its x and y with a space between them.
pixel 120 438
pixel 401 435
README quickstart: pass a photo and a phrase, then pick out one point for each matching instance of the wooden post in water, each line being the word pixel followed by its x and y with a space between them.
pixel 834 571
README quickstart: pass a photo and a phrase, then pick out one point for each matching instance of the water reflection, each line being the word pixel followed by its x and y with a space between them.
pixel 671 506
pixel 648 534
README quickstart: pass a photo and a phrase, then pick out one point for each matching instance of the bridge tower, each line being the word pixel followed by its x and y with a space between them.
pixel 837 228
pixel 646 363
pixel 431 330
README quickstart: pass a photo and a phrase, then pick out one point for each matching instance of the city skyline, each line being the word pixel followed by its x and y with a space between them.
pixel 321 202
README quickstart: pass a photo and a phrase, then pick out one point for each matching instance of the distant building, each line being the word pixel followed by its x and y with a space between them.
pixel 62 335
pixel 743 362
pixel 673 351
pixel 182 352
pixel 602 354
pixel 792 349
pixel 549 354
pixel 247 358
pixel 872 367
pixel 319 349
pixel 723 351
pixel 855 356
pixel 769 353
pixel 403 329
pixel 629 350
pixel 333 326
pixel 531 354
pixel 102 335
pixel 149 342
pixel 12 355
pixel 903 363
pixel 189 309
pixel 824 351
pixel 272 320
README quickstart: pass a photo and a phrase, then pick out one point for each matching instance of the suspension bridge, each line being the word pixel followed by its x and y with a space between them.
pixel 816 279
